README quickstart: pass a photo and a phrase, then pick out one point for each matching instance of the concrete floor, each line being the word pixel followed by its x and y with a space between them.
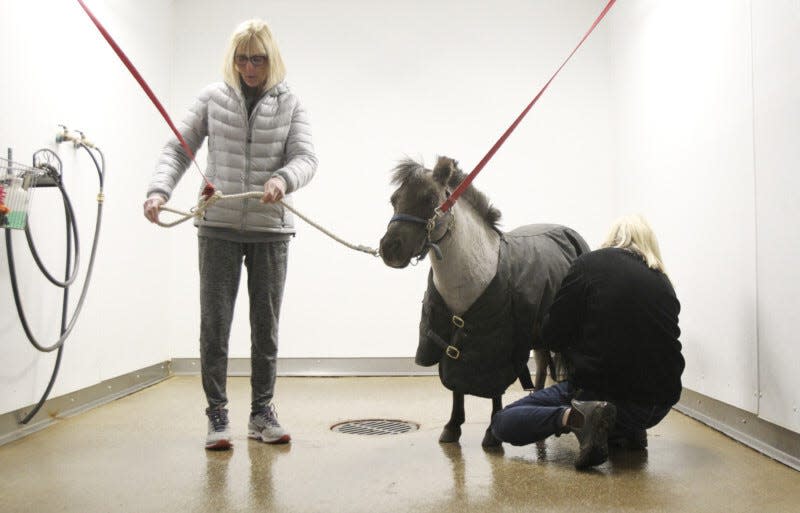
pixel 144 453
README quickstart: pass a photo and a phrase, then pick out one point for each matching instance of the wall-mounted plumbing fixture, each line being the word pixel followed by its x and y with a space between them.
pixel 76 137
pixel 17 182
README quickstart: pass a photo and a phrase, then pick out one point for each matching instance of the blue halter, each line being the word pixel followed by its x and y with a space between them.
pixel 430 225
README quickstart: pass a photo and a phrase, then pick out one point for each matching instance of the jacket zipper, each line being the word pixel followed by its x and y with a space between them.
pixel 248 142
pixel 246 176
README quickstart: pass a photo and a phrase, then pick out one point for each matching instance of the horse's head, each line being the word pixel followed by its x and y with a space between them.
pixel 413 228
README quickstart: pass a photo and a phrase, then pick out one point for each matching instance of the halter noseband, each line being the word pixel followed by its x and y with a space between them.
pixel 431 225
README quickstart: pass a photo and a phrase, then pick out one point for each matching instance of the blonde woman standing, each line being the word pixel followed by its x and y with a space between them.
pixel 615 322
pixel 259 139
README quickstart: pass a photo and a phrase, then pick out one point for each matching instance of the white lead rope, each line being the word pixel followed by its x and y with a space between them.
pixel 204 204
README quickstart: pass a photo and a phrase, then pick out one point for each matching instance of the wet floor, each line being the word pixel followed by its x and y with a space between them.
pixel 144 453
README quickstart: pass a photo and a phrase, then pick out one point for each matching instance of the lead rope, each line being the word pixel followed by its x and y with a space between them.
pixel 204 204
pixel 209 195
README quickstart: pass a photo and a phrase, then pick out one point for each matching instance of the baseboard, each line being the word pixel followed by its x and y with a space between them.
pixel 318 367
pixel 772 440
pixel 64 406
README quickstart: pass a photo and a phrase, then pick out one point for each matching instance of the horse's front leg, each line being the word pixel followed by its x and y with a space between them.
pixel 452 430
pixel 544 363
pixel 489 440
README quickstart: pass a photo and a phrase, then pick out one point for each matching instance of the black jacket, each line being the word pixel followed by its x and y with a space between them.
pixel 616 322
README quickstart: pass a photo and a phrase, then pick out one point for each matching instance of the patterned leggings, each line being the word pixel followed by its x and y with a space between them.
pixel 220 270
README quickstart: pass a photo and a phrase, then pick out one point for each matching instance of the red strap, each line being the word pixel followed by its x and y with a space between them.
pixel 145 87
pixel 450 201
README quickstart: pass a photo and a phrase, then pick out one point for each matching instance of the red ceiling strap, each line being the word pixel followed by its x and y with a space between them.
pixel 146 88
pixel 448 203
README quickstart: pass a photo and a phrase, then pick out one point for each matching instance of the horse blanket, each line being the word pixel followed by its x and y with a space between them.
pixel 483 351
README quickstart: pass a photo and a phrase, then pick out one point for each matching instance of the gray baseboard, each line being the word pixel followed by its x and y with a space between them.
pixel 767 438
pixel 64 406
pixel 319 367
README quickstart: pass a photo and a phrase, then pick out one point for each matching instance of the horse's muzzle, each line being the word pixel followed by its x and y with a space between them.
pixel 391 249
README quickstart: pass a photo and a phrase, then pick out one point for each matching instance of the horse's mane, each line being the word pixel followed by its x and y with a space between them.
pixel 409 169
pixel 406 170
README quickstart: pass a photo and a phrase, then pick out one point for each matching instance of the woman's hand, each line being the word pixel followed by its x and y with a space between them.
pixel 151 207
pixel 274 190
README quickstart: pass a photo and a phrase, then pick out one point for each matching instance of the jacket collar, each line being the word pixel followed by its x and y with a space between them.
pixel 274 91
pixel 278 89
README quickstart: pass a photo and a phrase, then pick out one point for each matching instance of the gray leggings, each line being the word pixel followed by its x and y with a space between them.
pixel 220 270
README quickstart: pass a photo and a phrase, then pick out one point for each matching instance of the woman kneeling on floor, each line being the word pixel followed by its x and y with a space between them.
pixel 615 322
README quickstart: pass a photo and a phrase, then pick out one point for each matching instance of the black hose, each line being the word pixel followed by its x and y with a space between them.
pixel 59 354
pixel 71 223
pixel 71 233
pixel 15 286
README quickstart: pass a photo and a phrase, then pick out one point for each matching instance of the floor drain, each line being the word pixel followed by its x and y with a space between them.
pixel 375 427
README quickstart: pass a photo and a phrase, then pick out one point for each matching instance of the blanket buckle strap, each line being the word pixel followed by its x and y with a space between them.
pixel 452 352
pixel 449 349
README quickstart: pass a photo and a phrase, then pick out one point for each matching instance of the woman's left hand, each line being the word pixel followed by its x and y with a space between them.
pixel 274 190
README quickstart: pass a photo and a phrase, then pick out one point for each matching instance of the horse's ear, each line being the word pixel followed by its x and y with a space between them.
pixel 445 168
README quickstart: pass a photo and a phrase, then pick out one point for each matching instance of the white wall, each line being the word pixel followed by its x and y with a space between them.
pixel 707 146
pixel 689 119
pixel 776 48
pixel 686 161
pixel 383 80
pixel 58 70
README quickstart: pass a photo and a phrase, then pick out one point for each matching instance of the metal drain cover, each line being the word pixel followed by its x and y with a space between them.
pixel 375 427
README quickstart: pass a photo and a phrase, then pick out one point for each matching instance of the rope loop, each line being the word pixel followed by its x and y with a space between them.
pixel 204 204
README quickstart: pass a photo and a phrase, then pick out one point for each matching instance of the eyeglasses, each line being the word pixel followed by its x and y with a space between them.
pixel 256 60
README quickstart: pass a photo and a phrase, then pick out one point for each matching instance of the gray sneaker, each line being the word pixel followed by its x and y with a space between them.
pixel 264 426
pixel 219 431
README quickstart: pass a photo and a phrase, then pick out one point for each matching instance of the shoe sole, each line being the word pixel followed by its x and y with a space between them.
pixel 255 435
pixel 219 445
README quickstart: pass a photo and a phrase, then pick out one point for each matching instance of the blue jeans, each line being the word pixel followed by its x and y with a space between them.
pixel 538 416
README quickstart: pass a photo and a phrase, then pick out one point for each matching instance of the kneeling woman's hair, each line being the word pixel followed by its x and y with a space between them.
pixel 634 234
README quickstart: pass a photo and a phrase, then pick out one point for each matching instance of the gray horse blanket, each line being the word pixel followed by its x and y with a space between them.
pixel 486 349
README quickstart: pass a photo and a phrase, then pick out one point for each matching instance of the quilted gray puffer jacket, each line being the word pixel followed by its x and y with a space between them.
pixel 243 154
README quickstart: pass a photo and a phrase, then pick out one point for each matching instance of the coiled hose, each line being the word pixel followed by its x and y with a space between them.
pixel 70 272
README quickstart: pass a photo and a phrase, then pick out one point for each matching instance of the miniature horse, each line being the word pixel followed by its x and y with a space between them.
pixel 488 291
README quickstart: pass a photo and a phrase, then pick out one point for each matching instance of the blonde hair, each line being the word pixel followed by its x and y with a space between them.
pixel 253 37
pixel 634 234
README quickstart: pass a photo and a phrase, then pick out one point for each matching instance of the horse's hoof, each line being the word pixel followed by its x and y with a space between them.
pixel 490 441
pixel 449 436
